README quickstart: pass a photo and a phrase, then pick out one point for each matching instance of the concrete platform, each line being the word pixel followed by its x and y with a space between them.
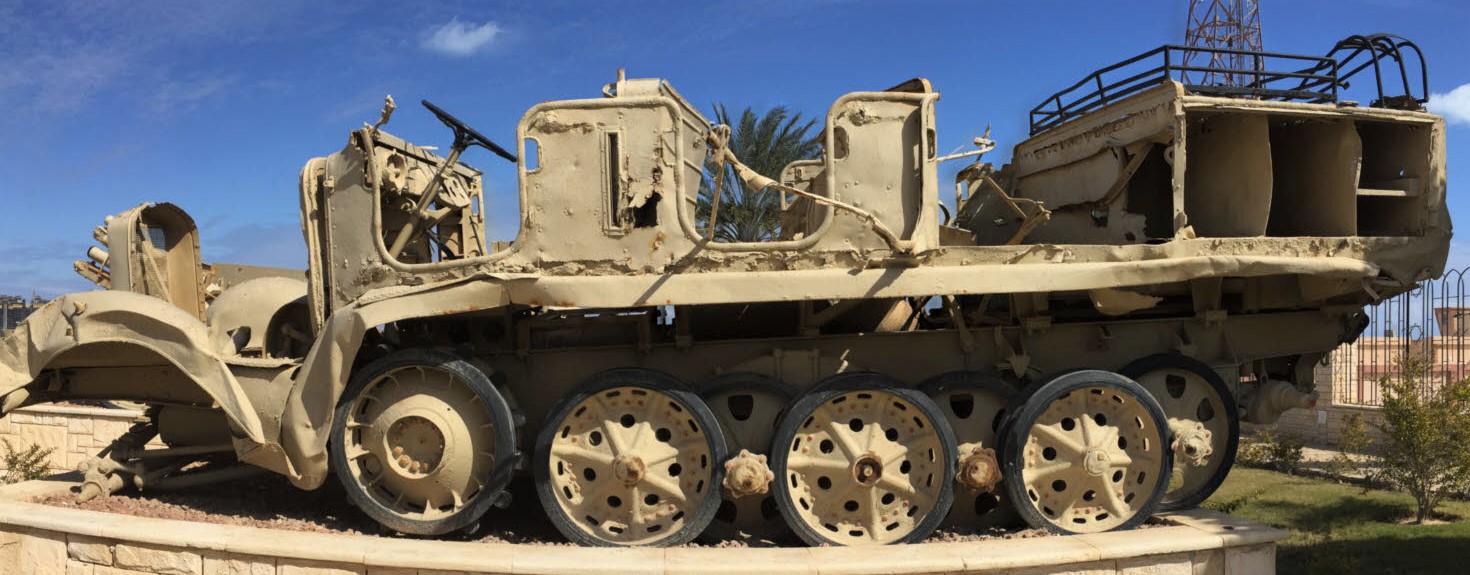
pixel 41 540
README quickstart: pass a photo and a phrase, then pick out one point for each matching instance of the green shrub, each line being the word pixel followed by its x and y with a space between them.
pixel 1425 432
pixel 1353 441
pixel 1271 450
pixel 24 465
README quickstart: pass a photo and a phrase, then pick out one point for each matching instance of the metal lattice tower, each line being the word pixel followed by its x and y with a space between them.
pixel 1222 24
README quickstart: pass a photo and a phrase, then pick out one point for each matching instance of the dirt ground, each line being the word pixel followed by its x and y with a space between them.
pixel 271 502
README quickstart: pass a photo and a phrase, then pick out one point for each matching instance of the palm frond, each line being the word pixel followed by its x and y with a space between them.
pixel 767 143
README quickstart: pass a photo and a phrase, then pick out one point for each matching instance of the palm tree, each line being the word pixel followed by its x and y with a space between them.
pixel 765 143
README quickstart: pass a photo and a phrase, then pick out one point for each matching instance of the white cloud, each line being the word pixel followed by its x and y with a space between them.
pixel 1454 106
pixel 455 38
pixel 184 95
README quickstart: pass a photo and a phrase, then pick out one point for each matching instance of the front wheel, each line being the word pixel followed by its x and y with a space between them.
pixel 423 442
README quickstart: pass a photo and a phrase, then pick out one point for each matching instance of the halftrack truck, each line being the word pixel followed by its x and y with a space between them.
pixel 1073 342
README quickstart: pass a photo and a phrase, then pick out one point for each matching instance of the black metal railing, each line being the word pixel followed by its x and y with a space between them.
pixel 1272 76
pixel 1358 53
pixel 1430 323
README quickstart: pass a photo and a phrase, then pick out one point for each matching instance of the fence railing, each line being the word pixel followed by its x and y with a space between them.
pixel 1250 74
pixel 1271 76
pixel 1431 323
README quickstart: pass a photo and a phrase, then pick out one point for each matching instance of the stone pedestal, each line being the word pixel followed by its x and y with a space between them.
pixel 42 540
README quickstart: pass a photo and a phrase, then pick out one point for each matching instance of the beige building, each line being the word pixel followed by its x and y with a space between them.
pixel 1349 381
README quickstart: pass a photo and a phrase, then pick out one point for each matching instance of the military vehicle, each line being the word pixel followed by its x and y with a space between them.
pixel 1072 343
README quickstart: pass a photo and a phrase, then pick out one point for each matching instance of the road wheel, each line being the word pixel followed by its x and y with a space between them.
pixel 1087 452
pixel 748 406
pixel 631 457
pixel 975 405
pixel 860 460
pixel 1204 417
pixel 423 442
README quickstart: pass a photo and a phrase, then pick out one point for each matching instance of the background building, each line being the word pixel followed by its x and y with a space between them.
pixel 15 309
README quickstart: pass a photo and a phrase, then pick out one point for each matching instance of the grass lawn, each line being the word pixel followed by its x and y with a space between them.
pixel 1339 529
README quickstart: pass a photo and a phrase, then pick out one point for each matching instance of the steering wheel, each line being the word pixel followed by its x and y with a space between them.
pixel 453 197
pixel 466 136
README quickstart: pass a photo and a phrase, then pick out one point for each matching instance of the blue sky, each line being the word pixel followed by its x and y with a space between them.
pixel 216 105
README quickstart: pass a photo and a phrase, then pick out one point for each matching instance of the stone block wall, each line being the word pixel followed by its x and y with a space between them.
pixel 45 540
pixel 46 552
pixel 72 433
pixel 1321 427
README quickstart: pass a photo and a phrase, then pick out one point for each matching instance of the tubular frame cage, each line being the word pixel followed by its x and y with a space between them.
pixel 1271 76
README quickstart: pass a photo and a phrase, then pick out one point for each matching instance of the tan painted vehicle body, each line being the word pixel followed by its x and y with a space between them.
pixel 1245 234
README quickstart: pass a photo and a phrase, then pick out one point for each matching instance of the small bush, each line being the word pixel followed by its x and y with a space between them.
pixel 1353 441
pixel 24 465
pixel 1425 432
pixel 1271 450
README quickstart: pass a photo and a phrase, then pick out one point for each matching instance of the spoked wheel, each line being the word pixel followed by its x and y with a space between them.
pixel 632 457
pixel 423 442
pixel 1087 452
pixel 975 404
pixel 861 461
pixel 1205 420
pixel 748 407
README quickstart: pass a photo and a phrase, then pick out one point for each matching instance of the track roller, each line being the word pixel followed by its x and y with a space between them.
pixel 1204 418
pixel 423 442
pixel 860 460
pixel 748 407
pixel 1087 452
pixel 975 405
pixel 631 457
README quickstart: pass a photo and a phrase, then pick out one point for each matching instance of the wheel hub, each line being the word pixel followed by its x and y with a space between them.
pixel 978 468
pixel 747 474
pixel 629 469
pixel 1192 443
pixel 868 470
pixel 416 444
pixel 1097 462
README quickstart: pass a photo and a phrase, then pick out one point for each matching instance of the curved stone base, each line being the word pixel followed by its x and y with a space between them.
pixel 42 540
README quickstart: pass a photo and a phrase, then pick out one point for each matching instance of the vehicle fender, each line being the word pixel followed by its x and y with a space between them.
pixel 74 322
pixel 307 421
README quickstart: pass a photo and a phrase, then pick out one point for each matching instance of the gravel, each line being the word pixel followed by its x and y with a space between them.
pixel 271 502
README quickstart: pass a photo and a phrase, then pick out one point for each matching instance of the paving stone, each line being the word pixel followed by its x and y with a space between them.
pixel 9 546
pixel 89 549
pixel 230 564
pixel 292 567
pixel 105 570
pixel 156 560
pixel 1095 568
pixel 78 568
pixel 1176 564
pixel 79 424
pixel 41 553
pixel 1210 562
pixel 1251 560
pixel 46 436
